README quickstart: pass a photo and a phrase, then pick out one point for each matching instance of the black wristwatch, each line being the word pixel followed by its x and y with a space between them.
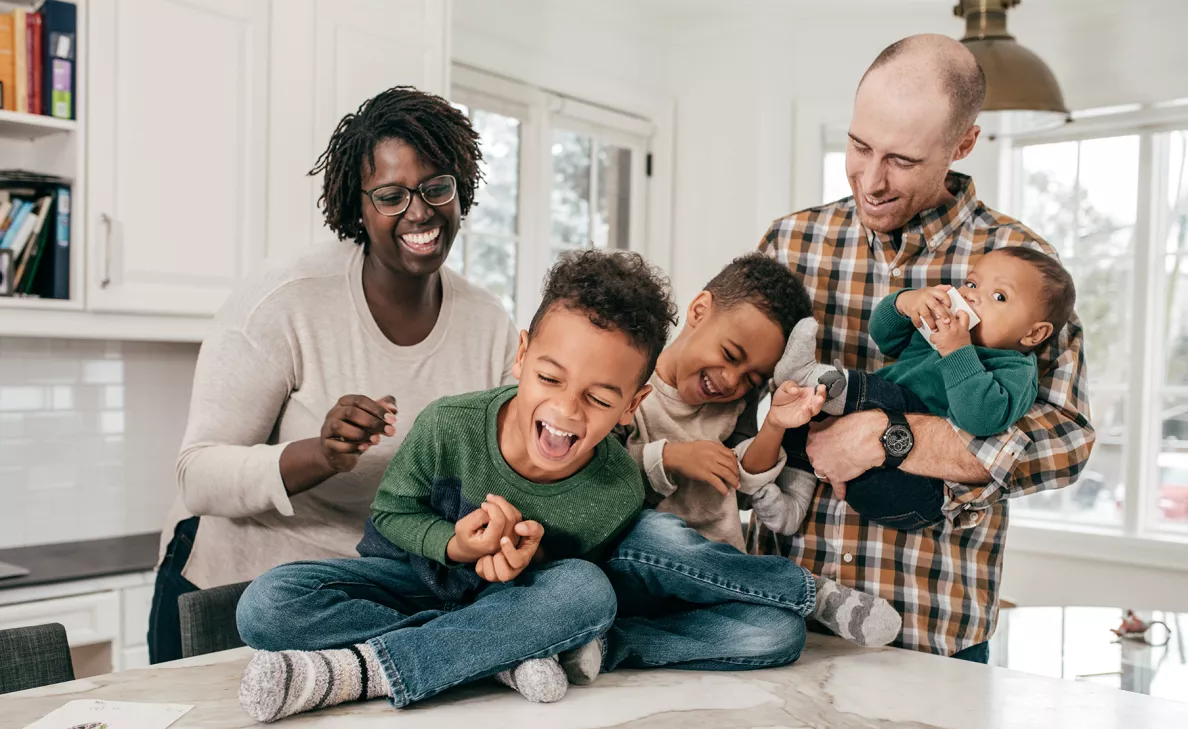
pixel 897 440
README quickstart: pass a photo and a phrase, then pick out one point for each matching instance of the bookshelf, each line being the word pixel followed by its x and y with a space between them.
pixel 52 146
pixel 18 125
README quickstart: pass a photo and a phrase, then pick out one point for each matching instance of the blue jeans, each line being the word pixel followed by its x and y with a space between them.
pixel 164 633
pixel 424 645
pixel 886 496
pixel 687 602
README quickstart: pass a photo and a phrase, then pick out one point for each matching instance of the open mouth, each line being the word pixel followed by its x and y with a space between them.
pixel 554 444
pixel 874 205
pixel 421 243
pixel 708 389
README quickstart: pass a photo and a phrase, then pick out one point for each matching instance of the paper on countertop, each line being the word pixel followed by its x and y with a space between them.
pixel 958 304
pixel 97 714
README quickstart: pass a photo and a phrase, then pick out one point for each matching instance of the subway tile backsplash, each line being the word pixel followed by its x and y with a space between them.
pixel 89 434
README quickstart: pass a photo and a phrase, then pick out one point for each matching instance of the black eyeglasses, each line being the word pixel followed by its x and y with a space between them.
pixel 392 200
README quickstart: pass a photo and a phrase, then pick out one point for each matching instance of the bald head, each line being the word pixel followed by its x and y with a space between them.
pixel 936 62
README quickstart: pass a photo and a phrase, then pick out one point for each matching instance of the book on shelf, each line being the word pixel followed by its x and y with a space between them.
pixel 38 59
pixel 34 235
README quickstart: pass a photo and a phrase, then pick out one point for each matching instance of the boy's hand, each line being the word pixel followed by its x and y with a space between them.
pixel 477 534
pixel 952 335
pixel 792 406
pixel 510 513
pixel 703 460
pixel 507 564
pixel 927 306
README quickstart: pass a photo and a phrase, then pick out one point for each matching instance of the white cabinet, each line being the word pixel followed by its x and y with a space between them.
pixel 176 152
pixel 328 57
pixel 106 618
pixel 198 123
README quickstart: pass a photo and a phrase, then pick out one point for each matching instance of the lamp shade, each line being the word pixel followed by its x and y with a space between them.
pixel 1020 88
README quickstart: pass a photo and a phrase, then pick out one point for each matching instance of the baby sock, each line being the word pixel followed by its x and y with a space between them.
pixel 781 506
pixel 582 665
pixel 540 680
pixel 800 365
pixel 280 684
pixel 860 618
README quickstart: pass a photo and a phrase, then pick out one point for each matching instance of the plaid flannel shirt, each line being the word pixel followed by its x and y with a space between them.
pixel 943 579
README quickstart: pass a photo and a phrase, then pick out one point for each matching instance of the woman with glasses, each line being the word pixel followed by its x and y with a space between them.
pixel 315 368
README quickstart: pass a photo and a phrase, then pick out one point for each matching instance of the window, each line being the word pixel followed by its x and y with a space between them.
pixel 1082 197
pixel 485 249
pixel 560 175
pixel 1113 200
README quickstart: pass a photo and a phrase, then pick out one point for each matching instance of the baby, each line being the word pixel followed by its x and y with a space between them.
pixel 982 379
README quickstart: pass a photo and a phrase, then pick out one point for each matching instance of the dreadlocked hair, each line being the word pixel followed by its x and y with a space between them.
pixel 440 133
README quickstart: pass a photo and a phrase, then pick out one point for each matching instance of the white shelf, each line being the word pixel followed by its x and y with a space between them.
pixel 67 321
pixel 18 125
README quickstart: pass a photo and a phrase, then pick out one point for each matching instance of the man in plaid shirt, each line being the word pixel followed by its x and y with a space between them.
pixel 913 223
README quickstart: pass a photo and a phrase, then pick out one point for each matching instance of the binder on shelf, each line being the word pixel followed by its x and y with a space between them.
pixel 20 55
pixel 59 25
pixel 33 41
pixel 7 63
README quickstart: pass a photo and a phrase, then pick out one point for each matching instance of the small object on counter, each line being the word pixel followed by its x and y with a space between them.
pixel 98 714
pixel 11 570
pixel 1136 629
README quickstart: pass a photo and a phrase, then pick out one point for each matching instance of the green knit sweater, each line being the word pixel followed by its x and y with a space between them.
pixel 981 390
pixel 450 461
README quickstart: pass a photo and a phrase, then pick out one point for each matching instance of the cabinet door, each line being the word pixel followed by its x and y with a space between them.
pixel 176 152
pixel 328 57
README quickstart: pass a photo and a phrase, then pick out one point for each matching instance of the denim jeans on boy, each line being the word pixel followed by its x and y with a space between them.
pixel 424 645
pixel 687 602
pixel 886 496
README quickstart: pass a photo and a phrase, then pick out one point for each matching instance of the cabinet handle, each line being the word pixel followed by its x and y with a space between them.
pixel 107 222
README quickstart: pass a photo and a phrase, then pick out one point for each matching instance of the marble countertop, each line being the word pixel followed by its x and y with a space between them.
pixel 834 684
pixel 51 563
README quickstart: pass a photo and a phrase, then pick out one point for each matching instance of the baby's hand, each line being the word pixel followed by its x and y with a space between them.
pixel 792 406
pixel 952 334
pixel 927 306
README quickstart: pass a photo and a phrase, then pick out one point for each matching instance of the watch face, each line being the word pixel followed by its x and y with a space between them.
pixel 898 441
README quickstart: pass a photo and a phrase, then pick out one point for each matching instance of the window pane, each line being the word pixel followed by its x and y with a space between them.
pixel 612 216
pixel 835 184
pixel 1171 500
pixel 1082 197
pixel 491 263
pixel 570 197
pixel 486 248
pixel 496 202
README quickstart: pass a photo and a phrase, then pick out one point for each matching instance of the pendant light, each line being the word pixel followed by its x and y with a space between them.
pixel 1021 92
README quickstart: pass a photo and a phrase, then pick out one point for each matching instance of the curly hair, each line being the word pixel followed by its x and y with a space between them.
pixel 1059 293
pixel 440 133
pixel 767 285
pixel 618 291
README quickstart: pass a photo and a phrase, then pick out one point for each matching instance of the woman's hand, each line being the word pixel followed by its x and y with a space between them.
pixel 353 425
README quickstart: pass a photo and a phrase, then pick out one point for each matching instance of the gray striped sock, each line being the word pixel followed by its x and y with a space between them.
pixel 860 618
pixel 280 684
pixel 540 680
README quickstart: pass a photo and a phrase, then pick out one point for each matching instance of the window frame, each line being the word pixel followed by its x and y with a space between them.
pixel 540 111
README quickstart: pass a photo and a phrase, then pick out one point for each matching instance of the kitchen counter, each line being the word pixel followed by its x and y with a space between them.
pixel 834 684
pixel 68 561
